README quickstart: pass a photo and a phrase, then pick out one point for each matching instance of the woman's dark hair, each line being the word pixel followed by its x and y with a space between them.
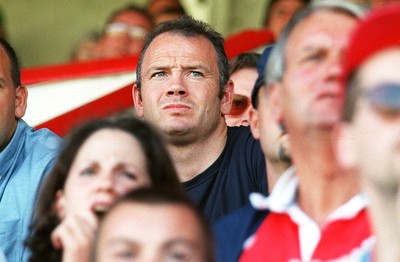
pixel 162 196
pixel 159 166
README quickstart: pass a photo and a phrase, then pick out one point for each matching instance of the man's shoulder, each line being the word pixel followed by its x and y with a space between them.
pixel 43 139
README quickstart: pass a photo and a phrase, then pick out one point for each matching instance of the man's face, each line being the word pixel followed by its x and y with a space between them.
pixel 180 87
pixel 311 93
pixel 375 126
pixel 273 141
pixel 10 101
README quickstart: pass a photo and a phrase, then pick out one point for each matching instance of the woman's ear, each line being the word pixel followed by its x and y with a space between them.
pixel 60 205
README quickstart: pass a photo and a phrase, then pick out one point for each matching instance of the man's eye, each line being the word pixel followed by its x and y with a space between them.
pixel 158 74
pixel 313 57
pixel 195 73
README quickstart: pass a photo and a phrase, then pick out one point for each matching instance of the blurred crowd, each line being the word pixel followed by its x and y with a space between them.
pixel 288 154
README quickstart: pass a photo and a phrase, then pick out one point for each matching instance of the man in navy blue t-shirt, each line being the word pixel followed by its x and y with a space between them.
pixel 183 88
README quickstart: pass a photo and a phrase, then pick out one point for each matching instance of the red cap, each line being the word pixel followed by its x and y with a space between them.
pixel 380 29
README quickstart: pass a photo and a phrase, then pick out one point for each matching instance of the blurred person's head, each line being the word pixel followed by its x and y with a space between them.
pixel 165 10
pixel 243 73
pixel 102 160
pixel 272 136
pixel 124 32
pixel 308 66
pixel 154 7
pixel 168 14
pixel 153 225
pixel 371 115
pixel 13 95
pixel 279 12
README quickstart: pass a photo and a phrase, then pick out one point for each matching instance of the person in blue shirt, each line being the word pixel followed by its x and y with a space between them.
pixel 25 157
pixel 183 88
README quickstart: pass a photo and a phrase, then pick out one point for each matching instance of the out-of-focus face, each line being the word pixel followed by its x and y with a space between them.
pixel 312 96
pixel 243 81
pixel 12 101
pixel 273 141
pixel 110 163
pixel 180 87
pixel 375 130
pixel 124 35
pixel 280 14
pixel 150 233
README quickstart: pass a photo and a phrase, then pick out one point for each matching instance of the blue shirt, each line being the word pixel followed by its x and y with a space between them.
pixel 23 165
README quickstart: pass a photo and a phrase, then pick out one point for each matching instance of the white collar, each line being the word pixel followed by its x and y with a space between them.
pixel 283 198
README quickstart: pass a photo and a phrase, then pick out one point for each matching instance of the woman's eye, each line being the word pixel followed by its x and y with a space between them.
pixel 177 257
pixel 128 175
pixel 88 171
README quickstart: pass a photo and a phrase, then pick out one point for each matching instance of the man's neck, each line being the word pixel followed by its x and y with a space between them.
pixel 323 184
pixel 193 158
pixel 274 170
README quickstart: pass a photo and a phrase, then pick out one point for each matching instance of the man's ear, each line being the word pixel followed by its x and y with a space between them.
pixel 137 100
pixel 275 100
pixel 227 98
pixel 254 123
pixel 342 141
pixel 60 205
pixel 21 97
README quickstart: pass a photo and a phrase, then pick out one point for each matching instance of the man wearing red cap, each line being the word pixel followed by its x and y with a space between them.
pixel 371 128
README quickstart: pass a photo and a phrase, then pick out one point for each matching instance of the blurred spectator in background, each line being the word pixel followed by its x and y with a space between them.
pixel 124 33
pixel 165 10
pixel 86 49
pixel 243 73
pixel 2 25
pixel 279 12
pixel 371 127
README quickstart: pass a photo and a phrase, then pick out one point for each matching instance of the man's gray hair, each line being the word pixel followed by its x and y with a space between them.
pixel 276 63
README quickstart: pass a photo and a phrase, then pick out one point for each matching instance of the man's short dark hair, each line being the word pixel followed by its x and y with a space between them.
pixel 14 62
pixel 189 27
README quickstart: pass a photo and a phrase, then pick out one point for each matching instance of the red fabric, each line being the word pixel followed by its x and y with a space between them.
pixel 380 29
pixel 277 239
pixel 247 41
pixel 34 75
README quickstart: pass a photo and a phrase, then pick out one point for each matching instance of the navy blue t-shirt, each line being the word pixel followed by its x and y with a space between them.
pixel 227 183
